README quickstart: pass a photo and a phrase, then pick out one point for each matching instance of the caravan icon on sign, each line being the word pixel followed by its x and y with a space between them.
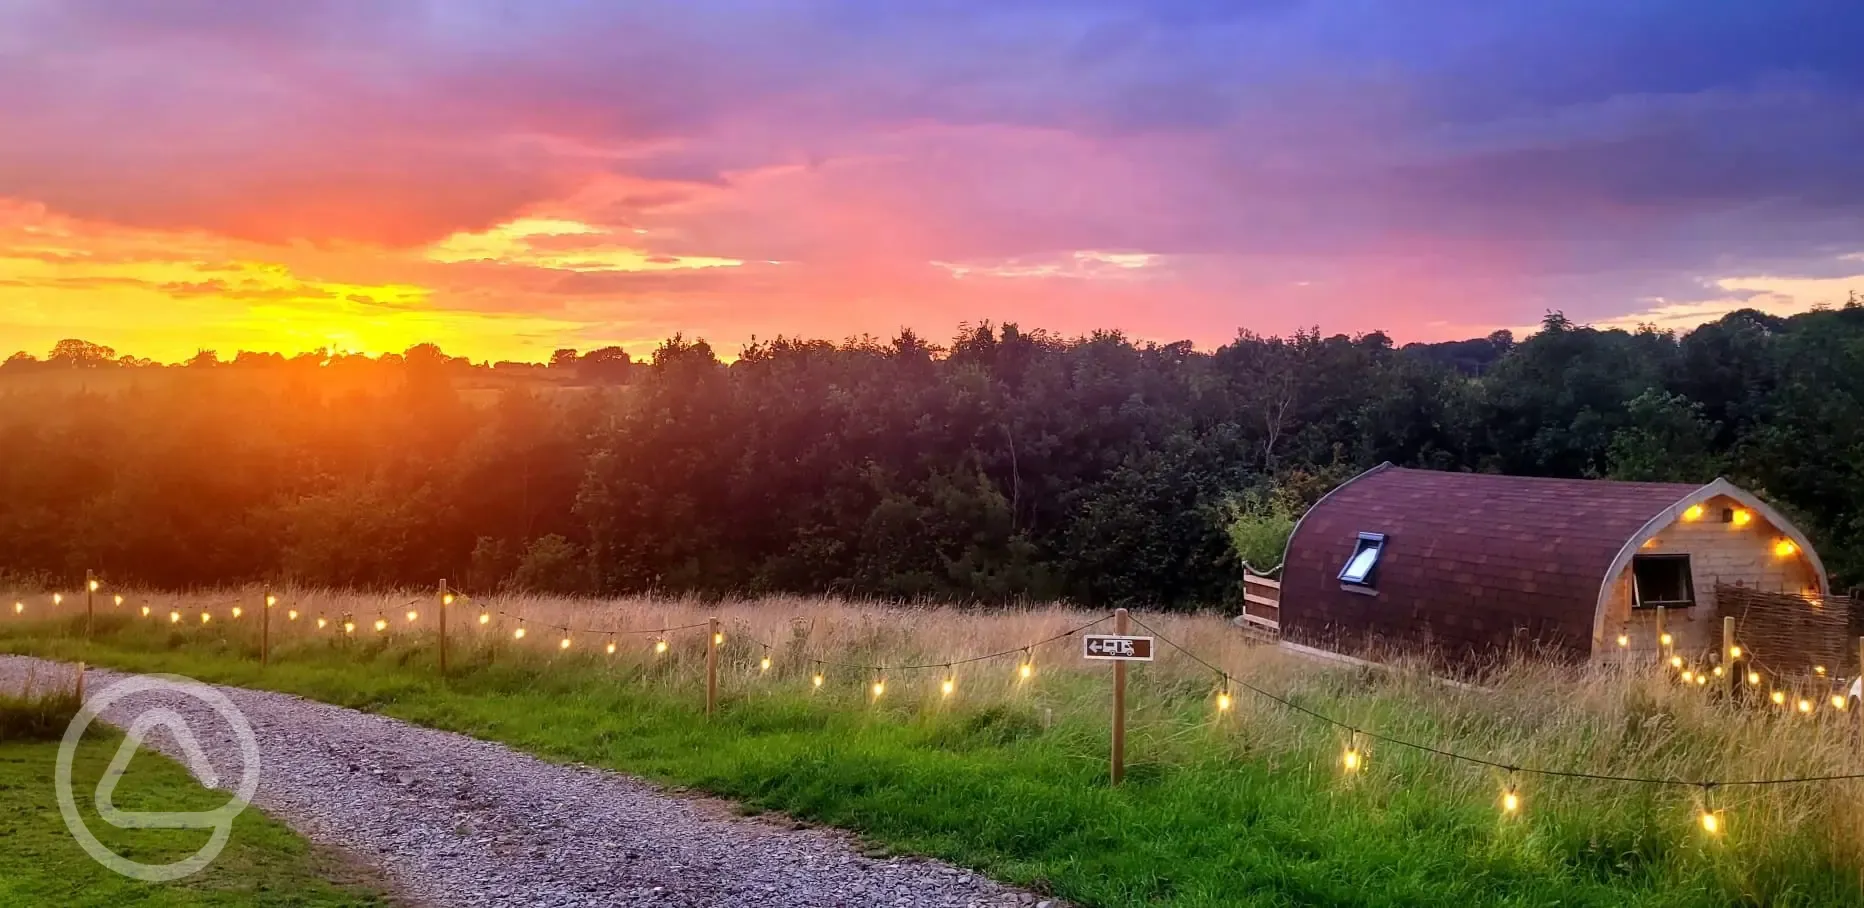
pixel 1116 648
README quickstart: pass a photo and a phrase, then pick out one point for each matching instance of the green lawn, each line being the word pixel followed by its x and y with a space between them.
pixel 1208 818
pixel 42 865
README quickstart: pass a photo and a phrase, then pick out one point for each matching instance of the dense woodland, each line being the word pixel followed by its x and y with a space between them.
pixel 1008 464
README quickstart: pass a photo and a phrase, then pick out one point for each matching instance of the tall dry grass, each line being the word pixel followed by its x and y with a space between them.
pixel 1528 713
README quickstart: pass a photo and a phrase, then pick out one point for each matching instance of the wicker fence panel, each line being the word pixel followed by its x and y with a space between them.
pixel 1789 634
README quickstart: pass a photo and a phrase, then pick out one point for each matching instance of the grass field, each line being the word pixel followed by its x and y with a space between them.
pixel 264 864
pixel 1249 807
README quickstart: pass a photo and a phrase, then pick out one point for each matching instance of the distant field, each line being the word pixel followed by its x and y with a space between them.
pixel 1249 807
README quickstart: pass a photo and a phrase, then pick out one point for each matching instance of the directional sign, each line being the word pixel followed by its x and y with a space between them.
pixel 1116 647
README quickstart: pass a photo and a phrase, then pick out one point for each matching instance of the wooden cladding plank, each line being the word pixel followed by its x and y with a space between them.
pixel 1261 600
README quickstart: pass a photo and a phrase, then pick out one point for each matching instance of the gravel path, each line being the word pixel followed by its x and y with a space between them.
pixel 451 820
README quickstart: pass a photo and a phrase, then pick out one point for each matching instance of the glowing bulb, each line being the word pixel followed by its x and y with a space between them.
pixel 1711 822
pixel 271 600
pixel 1025 671
pixel 1688 677
pixel 349 627
pixel 119 600
pixel 1784 548
pixel 763 665
pixel 174 617
pixel 1753 679
pixel 1819 669
pixel 58 598
pixel 1693 512
pixel 1624 640
pixel 880 687
pixel 485 618
pixel 381 624
pixel 19 608
pixel 1734 652
pixel 518 634
pixel 660 647
pixel 95 585
pixel 237 611
pixel 718 639
pixel 1676 661
pixel 1666 639
pixel 1350 761
pixel 1805 706
pixel 564 643
pixel 1743 518
pixel 321 623
pixel 1778 697
pixel 1838 701
pixel 145 611
pixel 611 647
pixel 291 615
pixel 816 681
pixel 447 599
pixel 413 616
pixel 1718 671
pixel 206 617
pixel 948 687
pixel 1223 703
pixel 1701 680
pixel 1511 801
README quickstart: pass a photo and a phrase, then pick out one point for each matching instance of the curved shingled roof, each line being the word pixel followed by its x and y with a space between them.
pixel 1471 559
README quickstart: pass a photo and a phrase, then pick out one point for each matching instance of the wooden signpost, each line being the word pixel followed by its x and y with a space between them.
pixel 1118 648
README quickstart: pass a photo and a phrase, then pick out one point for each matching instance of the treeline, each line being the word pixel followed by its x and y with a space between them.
pixel 1007 464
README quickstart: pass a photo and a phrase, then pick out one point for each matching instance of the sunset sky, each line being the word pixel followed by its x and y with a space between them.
pixel 505 178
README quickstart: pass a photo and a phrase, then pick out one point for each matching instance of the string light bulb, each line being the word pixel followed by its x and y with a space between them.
pixel 291 615
pixel 1742 517
pixel 1805 706
pixel 1702 679
pixel 950 685
pixel 446 599
pixel 58 598
pixel 660 647
pixel 1676 661
pixel 119 600
pixel 19 608
pixel 519 633
pixel 1511 796
pixel 815 680
pixel 1028 669
pixel 1624 640
pixel 321 623
pixel 1778 697
pixel 381 624
pixel 349 627
pixel 271 600
pixel 1708 817
pixel 174 617
pixel 95 586
pixel 1838 702
pixel 1693 512
pixel 1689 677
pixel 1753 679
pixel 413 616
pixel 1819 670
pixel 763 665
pixel 1351 760
pixel 1734 652
pixel 1223 702
pixel 1785 548
pixel 611 644
pixel 237 611
pixel 1718 671
pixel 718 638
pixel 145 611
pixel 206 617
pixel 880 687
pixel 1666 639
pixel 485 618
pixel 564 643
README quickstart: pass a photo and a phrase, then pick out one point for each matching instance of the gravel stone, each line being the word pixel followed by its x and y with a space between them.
pixel 455 821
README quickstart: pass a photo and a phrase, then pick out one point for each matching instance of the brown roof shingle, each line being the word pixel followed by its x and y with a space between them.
pixel 1472 561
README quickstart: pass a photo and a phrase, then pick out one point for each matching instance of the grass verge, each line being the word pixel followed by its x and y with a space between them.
pixel 264 864
pixel 1253 813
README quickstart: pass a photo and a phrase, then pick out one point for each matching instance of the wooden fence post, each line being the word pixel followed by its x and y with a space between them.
pixel 265 626
pixel 1663 651
pixel 446 599
pixel 1119 704
pixel 1728 655
pixel 90 602
pixel 711 666
pixel 80 683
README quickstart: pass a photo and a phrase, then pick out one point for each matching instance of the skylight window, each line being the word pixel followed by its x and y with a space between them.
pixel 1362 568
